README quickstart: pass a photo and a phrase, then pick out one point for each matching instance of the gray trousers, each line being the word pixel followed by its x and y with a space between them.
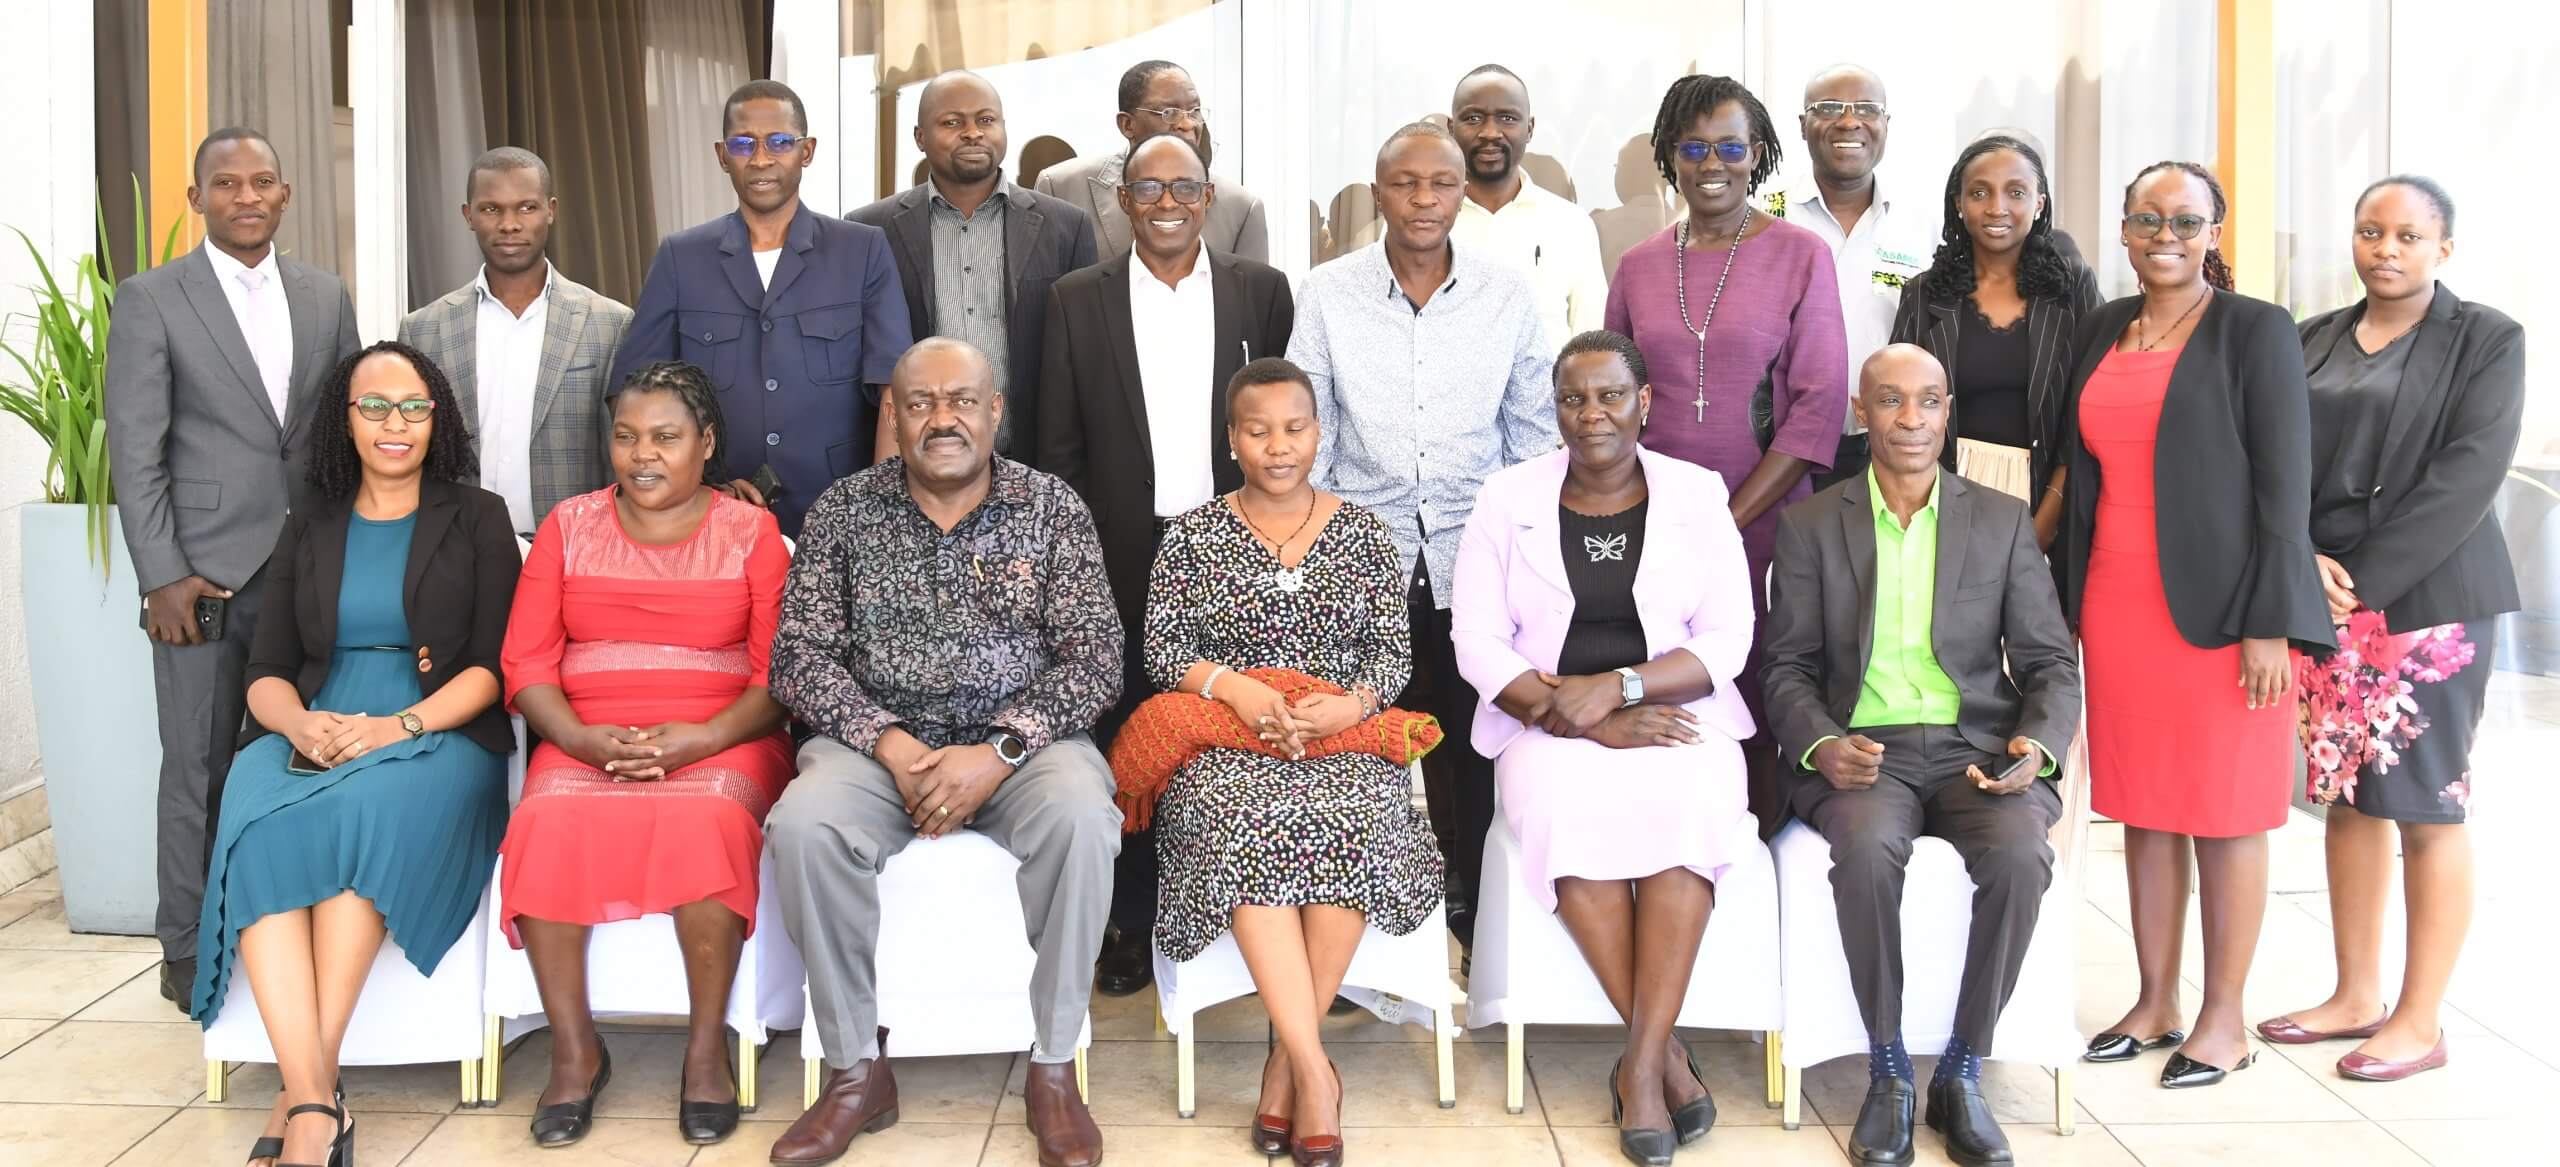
pixel 1923 791
pixel 841 819
pixel 202 694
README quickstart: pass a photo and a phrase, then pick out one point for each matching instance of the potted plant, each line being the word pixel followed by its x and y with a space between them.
pixel 96 726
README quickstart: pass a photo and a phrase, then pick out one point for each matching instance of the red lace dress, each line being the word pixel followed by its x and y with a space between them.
pixel 639 635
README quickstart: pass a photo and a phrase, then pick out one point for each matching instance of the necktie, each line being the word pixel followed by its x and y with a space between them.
pixel 270 337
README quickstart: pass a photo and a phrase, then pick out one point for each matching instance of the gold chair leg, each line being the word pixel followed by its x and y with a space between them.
pixel 1161 1031
pixel 1084 1089
pixel 1184 1100
pixel 1515 1067
pixel 2065 1114
pixel 746 1074
pixel 1773 1070
pixel 1441 1036
pixel 471 1081
pixel 493 1055
pixel 809 1071
pixel 213 1080
pixel 1792 1112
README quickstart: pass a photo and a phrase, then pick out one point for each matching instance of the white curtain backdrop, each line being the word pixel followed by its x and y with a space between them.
pixel 697 56
pixel 448 128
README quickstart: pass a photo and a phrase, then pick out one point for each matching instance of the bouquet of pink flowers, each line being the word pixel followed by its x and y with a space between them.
pixel 2359 706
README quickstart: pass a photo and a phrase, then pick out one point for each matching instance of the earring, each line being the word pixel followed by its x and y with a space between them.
pixel 1644 419
pixel 1231 455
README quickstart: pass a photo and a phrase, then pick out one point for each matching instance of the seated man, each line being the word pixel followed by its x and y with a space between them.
pixel 1921 679
pixel 949 635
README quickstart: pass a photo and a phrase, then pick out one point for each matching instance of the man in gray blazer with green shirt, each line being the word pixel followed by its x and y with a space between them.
pixel 214 361
pixel 529 351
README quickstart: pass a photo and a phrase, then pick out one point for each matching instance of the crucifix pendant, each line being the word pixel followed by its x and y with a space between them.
pixel 1702 408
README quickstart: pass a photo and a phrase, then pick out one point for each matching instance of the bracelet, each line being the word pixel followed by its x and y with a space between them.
pixel 2055 491
pixel 1368 699
pixel 1212 679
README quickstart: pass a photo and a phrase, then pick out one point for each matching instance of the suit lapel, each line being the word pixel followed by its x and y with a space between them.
pixel 911 232
pixel 738 262
pixel 1955 527
pixel 204 293
pixel 1226 293
pixel 1022 221
pixel 1109 225
pixel 2422 381
pixel 458 351
pixel 1858 533
pixel 1121 331
pixel 302 308
pixel 796 242
pixel 562 323
pixel 327 563
pixel 436 508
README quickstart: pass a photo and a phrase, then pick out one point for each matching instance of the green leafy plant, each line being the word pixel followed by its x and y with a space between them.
pixel 61 388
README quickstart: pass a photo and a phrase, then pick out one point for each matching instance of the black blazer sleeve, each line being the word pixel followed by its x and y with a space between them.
pixel 1906 316
pixel 2465 467
pixel 2036 642
pixel 276 651
pixel 1791 669
pixel 496 562
pixel 2279 594
pixel 1279 316
pixel 1061 449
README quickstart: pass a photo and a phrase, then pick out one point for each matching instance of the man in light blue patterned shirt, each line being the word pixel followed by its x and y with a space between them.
pixel 1430 372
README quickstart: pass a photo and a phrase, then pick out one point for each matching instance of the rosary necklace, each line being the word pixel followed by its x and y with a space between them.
pixel 1287 579
pixel 1680 281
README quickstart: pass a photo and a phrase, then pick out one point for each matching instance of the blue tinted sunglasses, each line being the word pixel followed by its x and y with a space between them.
pixel 744 145
pixel 1694 150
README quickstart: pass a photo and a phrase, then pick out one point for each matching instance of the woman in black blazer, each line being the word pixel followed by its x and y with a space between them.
pixel 2186 566
pixel 373 794
pixel 2417 400
pixel 1997 266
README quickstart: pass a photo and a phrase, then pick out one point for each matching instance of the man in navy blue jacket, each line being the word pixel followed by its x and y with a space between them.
pixel 797 316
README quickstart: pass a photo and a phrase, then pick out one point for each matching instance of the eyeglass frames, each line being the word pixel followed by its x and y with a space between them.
pixel 1147 191
pixel 413 411
pixel 1832 111
pixel 744 145
pixel 1694 150
pixel 2146 225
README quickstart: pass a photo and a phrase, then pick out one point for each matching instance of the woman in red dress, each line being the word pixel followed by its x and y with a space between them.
pixel 637 652
pixel 2188 568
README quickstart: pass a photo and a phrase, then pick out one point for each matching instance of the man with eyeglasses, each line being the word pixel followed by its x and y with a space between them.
pixel 1507 217
pixel 1157 97
pixel 1873 249
pixel 1138 352
pixel 527 349
pixel 796 315
pixel 977 253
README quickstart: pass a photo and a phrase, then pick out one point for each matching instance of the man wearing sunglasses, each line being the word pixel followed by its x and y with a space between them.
pixel 1873 249
pixel 1157 97
pixel 212 362
pixel 795 314
pixel 976 253
pixel 527 349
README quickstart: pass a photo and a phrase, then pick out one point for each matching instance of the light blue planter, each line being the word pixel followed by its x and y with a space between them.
pixel 96 727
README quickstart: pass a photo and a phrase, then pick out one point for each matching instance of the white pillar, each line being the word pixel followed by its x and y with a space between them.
pixel 377 89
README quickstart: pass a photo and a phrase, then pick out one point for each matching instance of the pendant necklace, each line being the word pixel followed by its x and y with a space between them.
pixel 1287 579
pixel 2142 345
pixel 1680 282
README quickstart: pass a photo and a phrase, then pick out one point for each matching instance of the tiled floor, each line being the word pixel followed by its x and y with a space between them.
pixel 95 1069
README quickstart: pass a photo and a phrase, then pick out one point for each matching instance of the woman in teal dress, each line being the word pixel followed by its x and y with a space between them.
pixel 373 795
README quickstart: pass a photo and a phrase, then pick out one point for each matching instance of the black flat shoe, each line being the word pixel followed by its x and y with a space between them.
pixel 1882 1137
pixel 1643 1145
pixel 563 1123
pixel 178 984
pixel 705 1123
pixel 2124 1047
pixel 1958 1111
pixel 2184 1072
pixel 1127 965
pixel 1698 1115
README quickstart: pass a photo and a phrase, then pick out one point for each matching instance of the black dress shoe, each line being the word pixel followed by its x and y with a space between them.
pixel 2124 1047
pixel 705 1123
pixel 2184 1072
pixel 563 1123
pixel 1958 1111
pixel 1127 965
pixel 178 983
pixel 1697 1116
pixel 1643 1145
pixel 1883 1133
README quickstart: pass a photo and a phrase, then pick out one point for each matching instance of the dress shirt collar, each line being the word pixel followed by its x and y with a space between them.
pixel 1142 276
pixel 1005 194
pixel 1374 257
pixel 228 269
pixel 1530 199
pixel 1884 514
pixel 480 285
pixel 1803 205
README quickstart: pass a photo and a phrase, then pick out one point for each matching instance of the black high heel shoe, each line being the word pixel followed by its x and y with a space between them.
pixel 337 1143
pixel 342 1152
pixel 563 1123
pixel 1698 1115
pixel 705 1123
pixel 1643 1145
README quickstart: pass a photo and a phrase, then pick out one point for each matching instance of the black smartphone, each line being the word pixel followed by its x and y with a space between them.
pixel 2022 767
pixel 768 484
pixel 301 764
pixel 212 614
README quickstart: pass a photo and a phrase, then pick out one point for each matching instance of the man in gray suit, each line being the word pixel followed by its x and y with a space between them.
pixel 1157 97
pixel 528 350
pixel 214 362
pixel 1922 682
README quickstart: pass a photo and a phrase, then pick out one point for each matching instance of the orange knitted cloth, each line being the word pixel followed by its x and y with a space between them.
pixel 1170 729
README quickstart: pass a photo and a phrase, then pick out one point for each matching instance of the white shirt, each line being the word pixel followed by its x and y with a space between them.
pixel 1872 261
pixel 257 302
pixel 506 366
pixel 765 261
pixel 1552 242
pixel 1176 330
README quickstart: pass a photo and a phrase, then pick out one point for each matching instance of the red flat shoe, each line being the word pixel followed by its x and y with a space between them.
pixel 2284 1031
pixel 2363 1068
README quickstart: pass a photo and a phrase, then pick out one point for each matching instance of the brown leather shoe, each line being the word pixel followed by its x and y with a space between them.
pixel 857 1100
pixel 1057 1117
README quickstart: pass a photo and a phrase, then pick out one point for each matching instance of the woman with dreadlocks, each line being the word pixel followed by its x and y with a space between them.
pixel 1999 308
pixel 2186 564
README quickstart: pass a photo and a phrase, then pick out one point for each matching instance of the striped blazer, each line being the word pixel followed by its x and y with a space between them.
pixel 2051 325
pixel 571 452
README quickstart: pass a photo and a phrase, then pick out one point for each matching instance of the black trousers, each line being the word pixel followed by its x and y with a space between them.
pixel 1923 791
pixel 1456 781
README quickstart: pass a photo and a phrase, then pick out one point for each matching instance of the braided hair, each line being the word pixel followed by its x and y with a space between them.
pixel 1697 95
pixel 2217 270
pixel 336 469
pixel 2043 271
pixel 692 387
pixel 1601 340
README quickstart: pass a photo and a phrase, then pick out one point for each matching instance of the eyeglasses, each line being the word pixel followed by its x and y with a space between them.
pixel 1831 111
pixel 744 145
pixel 1198 114
pixel 1694 150
pixel 413 411
pixel 1147 191
pixel 2146 225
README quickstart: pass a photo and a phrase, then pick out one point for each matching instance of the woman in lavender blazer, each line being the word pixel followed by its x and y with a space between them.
pixel 1608 634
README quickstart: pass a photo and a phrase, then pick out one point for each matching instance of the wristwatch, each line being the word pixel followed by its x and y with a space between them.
pixel 1630 688
pixel 410 722
pixel 1010 748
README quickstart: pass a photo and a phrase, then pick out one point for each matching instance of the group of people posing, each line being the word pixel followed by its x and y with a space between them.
pixel 939 516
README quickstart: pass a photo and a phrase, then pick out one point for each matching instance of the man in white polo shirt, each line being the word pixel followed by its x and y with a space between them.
pixel 1509 219
pixel 1875 244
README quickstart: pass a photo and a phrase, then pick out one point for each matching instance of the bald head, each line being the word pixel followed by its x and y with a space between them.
pixel 941 358
pixel 1904 402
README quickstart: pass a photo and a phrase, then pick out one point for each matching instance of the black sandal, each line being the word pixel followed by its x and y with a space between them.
pixel 563 1123
pixel 272 1146
pixel 337 1143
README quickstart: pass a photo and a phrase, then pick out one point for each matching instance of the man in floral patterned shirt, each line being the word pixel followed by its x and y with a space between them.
pixel 950 636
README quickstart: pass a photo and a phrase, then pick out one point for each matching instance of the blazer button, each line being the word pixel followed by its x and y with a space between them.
pixel 706 338
pixel 424 664
pixel 768 326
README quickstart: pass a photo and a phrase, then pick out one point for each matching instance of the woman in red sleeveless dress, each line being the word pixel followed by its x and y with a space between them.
pixel 2188 569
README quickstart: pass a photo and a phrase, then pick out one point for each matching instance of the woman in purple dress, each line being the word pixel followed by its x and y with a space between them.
pixel 1738 316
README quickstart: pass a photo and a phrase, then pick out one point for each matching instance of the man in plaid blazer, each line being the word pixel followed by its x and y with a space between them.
pixel 528 350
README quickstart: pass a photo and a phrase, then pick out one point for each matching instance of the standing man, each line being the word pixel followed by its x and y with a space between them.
pixel 976 254
pixel 526 349
pixel 795 315
pixel 1157 97
pixel 1911 706
pixel 1430 373
pixel 949 637
pixel 1139 351
pixel 1510 218
pixel 1875 246
pixel 213 361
